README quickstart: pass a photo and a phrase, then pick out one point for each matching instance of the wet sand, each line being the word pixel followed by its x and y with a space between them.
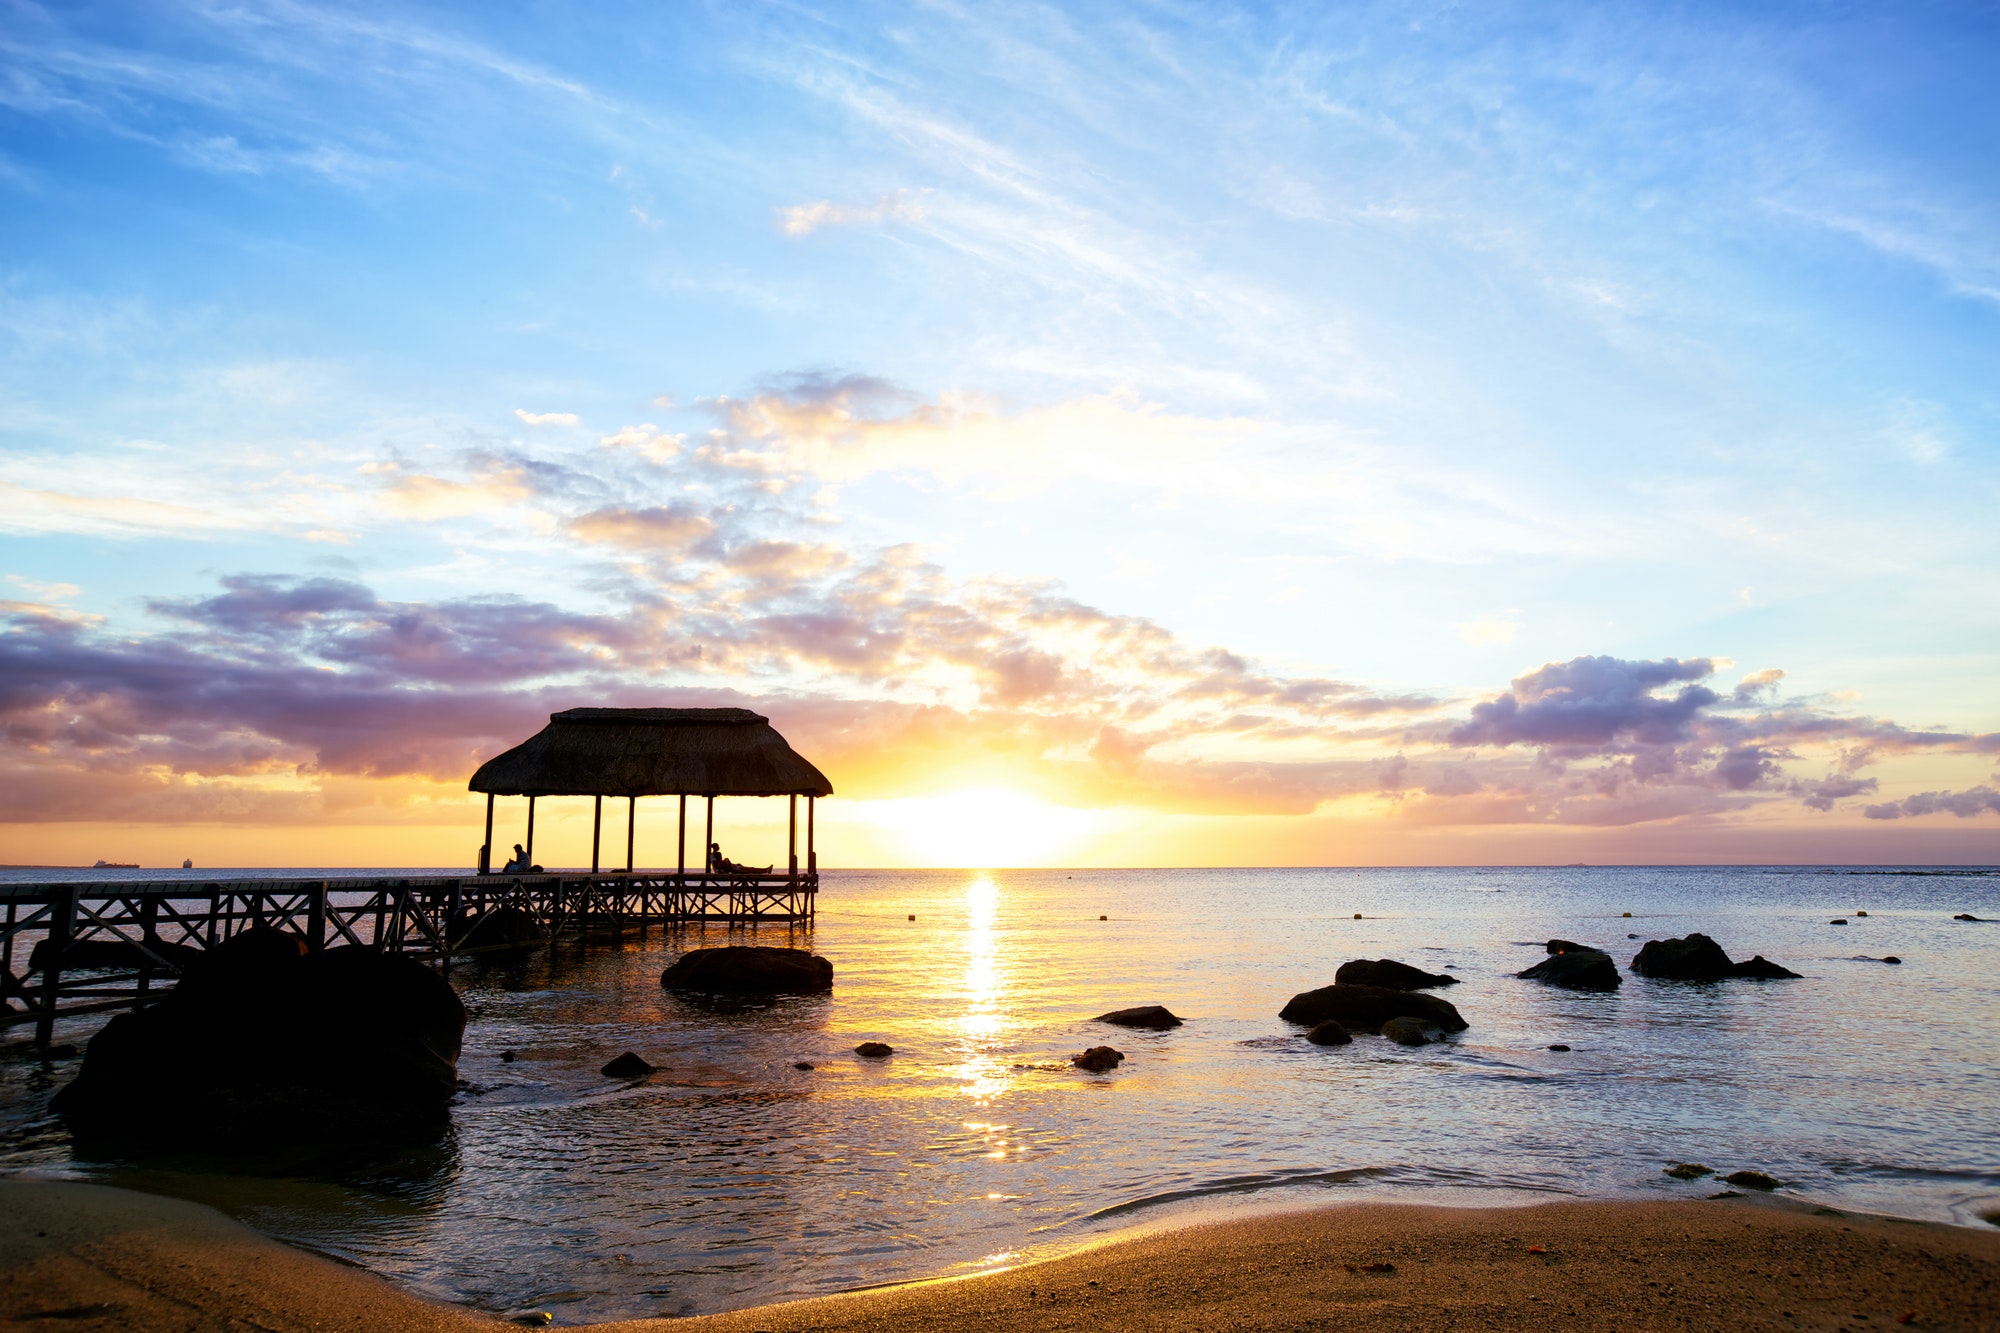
pixel 83 1257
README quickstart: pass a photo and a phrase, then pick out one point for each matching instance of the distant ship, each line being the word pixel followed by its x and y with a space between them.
pixel 188 864
pixel 116 865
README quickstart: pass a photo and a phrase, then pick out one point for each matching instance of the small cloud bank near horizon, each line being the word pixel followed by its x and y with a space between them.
pixel 309 699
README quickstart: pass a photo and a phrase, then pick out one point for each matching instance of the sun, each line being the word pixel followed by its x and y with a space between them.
pixel 982 829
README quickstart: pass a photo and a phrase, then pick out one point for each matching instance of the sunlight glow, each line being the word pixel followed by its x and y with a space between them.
pixel 984 1070
pixel 981 829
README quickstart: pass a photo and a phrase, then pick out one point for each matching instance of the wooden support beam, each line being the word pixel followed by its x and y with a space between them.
pixel 62 924
pixel 708 842
pixel 792 838
pixel 531 830
pixel 596 829
pixel 681 858
pixel 812 857
pixel 486 848
pixel 631 823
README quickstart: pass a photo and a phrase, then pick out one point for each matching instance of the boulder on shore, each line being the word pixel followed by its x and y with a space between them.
pixel 1367 1008
pixel 1577 969
pixel 1571 946
pixel 749 969
pixel 1098 1059
pixel 629 1065
pixel 1408 1031
pixel 1155 1016
pixel 1390 974
pixel 263 1040
pixel 1699 958
pixel 1329 1033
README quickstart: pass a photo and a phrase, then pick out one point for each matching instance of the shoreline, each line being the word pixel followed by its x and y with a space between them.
pixel 97 1257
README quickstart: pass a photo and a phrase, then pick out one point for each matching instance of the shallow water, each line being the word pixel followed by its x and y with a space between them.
pixel 731 1178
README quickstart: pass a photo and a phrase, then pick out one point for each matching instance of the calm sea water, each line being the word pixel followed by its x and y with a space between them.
pixel 731 1178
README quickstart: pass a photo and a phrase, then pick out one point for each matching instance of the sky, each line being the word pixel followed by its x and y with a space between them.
pixel 1111 434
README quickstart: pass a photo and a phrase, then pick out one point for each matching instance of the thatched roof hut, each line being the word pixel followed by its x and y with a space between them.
pixel 652 752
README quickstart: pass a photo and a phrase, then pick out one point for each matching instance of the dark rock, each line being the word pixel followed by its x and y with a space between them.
pixel 1631 937
pixel 1761 968
pixel 508 1057
pixel 1699 958
pixel 1753 1180
pixel 1965 916
pixel 503 928
pixel 1579 969
pixel 1098 1059
pixel 1838 921
pixel 261 1040
pixel 749 969
pixel 1154 1016
pixel 1571 946
pixel 1389 973
pixel 1329 1033
pixel 1688 1170
pixel 1407 1031
pixel 802 1064
pixel 1367 1008
pixel 874 1050
pixel 90 955
pixel 1893 959
pixel 628 1065
pixel 1559 1047
pixel 1861 914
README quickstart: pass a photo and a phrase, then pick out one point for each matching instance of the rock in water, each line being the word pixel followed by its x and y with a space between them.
pixel 1367 1008
pixel 749 969
pixel 1755 1180
pixel 1156 1016
pixel 1571 946
pixel 628 1065
pixel 1699 958
pixel 503 928
pixel 89 955
pixel 1688 1170
pixel 262 1040
pixel 1579 969
pixel 1389 974
pixel 1329 1033
pixel 874 1050
pixel 1407 1031
pixel 1098 1059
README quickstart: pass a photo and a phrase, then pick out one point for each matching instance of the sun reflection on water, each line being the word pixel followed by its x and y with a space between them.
pixel 984 1071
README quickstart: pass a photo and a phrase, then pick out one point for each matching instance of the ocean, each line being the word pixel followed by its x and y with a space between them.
pixel 730 1178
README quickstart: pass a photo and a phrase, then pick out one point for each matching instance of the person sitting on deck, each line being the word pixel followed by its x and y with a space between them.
pixel 519 864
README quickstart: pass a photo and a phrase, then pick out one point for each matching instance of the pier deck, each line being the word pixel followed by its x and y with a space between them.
pixel 85 946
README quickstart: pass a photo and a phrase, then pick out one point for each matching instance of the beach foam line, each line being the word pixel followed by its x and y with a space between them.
pixel 88 1257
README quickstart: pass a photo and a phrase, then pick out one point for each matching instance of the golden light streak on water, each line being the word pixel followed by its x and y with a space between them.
pixel 985 1072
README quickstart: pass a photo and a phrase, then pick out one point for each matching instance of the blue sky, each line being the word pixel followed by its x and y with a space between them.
pixel 1408 346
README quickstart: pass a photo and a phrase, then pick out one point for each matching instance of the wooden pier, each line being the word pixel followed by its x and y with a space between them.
pixel 70 949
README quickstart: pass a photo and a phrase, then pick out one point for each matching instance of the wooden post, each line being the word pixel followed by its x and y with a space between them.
pixel 681 858
pixel 792 838
pixel 596 829
pixel 631 823
pixel 812 857
pixel 62 924
pixel 531 830
pixel 486 849
pixel 708 841
pixel 316 913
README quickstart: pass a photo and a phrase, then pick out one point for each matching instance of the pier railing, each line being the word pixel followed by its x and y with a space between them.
pixel 68 949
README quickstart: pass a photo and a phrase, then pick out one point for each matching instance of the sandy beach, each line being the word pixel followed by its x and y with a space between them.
pixel 87 1257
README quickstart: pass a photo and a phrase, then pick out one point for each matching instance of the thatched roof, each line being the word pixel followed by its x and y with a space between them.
pixel 652 752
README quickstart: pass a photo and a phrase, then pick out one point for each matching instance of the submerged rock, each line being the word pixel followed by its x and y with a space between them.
pixel 1408 1031
pixel 1579 969
pixel 628 1065
pixel 263 1040
pixel 1155 1016
pixel 874 1050
pixel 1571 946
pixel 749 969
pixel 1699 958
pixel 1559 1046
pixel 503 928
pixel 1389 973
pixel 1329 1033
pixel 1965 916
pixel 1098 1059
pixel 1367 1008
pixel 1755 1180
pixel 1688 1170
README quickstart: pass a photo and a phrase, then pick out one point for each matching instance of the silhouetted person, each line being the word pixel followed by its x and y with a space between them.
pixel 518 864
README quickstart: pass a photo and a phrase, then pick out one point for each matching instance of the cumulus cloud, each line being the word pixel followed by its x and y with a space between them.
pixel 1593 701
pixel 1980 800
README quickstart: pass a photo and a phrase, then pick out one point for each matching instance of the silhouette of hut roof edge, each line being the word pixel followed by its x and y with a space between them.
pixel 652 752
